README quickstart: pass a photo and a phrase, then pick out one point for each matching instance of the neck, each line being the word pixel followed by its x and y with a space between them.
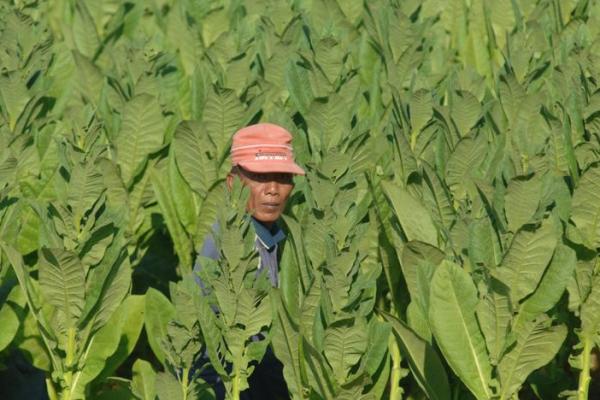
pixel 268 225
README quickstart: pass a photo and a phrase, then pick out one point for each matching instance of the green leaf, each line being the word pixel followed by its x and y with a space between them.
pixel 211 333
pixel 438 199
pixel 590 317
pixel 33 345
pixel 143 380
pixel 317 371
pixel 416 318
pixel 551 287
pixel 418 255
pixel 377 347
pixel 484 243
pixel 345 342
pixel 423 361
pixel 527 259
pixel 586 207
pixel 415 220
pixel 141 133
pixel 84 31
pixel 537 344
pixel 421 110
pixel 111 345
pixel 186 40
pixel 10 324
pixel 90 79
pixel 328 122
pixel 208 211
pixel 351 9
pixel 159 311
pixel 522 199
pixel 454 326
pixel 329 56
pixel 166 201
pixel 309 308
pixel 466 111
pixel 132 312
pixel 463 165
pixel 27 285
pixel 85 186
pixel 195 154
pixel 285 339
pixel 214 25
pixel 62 282
pixel 14 97
pixel 223 116
pixel 494 313
pixel 168 387
pixel 109 283
pixel 298 86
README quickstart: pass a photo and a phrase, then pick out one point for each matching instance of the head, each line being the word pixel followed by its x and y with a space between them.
pixel 263 160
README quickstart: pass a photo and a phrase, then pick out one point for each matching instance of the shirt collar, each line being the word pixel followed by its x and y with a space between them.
pixel 268 238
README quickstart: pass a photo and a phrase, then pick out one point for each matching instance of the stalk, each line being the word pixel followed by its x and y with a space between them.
pixel 69 358
pixel 185 382
pixel 396 375
pixel 584 376
pixel 235 389
pixel 50 389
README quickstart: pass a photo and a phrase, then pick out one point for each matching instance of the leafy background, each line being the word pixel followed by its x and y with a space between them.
pixel 444 243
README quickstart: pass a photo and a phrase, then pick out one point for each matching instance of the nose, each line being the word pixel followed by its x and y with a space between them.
pixel 272 188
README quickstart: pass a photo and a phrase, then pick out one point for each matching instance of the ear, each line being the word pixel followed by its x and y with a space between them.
pixel 229 180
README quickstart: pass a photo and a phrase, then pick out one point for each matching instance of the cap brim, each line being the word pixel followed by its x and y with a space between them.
pixel 272 166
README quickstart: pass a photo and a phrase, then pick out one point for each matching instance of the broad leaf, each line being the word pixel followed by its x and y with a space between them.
pixel 424 362
pixel 143 380
pixel 454 326
pixel 527 258
pixel 466 111
pixel 494 313
pixel 10 325
pixel 551 287
pixel 159 312
pixel 415 220
pixel 522 199
pixel 586 207
pixel 345 342
pixel 537 344
pixel 141 133
pixel 62 281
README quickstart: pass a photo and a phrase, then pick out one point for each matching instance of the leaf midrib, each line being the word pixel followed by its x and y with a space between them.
pixel 471 346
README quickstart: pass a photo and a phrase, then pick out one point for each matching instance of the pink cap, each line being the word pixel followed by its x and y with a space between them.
pixel 264 148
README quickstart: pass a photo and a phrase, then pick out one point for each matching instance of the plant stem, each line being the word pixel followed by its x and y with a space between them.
pixel 69 358
pixel 185 382
pixel 235 390
pixel 50 389
pixel 584 376
pixel 396 375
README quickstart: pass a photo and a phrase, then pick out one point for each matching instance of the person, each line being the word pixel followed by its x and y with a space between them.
pixel 262 158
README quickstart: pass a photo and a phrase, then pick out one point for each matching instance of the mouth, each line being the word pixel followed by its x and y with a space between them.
pixel 271 206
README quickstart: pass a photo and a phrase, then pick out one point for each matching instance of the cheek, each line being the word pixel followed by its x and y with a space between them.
pixel 254 197
pixel 286 190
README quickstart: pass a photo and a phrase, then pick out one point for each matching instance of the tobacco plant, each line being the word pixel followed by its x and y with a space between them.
pixel 443 244
pixel 233 308
pixel 84 277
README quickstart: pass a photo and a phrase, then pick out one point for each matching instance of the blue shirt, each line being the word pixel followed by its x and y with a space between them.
pixel 267 242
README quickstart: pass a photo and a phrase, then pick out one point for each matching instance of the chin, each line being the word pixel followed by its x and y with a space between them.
pixel 266 218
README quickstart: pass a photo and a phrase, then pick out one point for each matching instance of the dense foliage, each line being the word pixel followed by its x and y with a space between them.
pixel 443 244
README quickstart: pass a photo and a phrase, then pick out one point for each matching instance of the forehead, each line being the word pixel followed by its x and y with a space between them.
pixel 267 176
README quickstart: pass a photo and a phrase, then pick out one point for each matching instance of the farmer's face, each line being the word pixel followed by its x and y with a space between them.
pixel 268 193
